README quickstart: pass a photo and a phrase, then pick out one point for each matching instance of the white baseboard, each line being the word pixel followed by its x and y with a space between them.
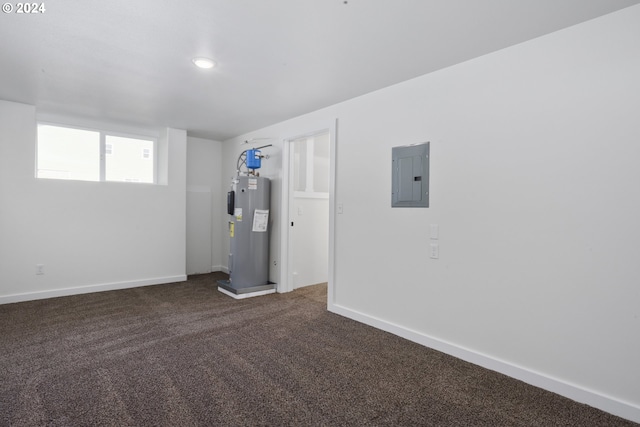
pixel 219 268
pixel 30 296
pixel 592 398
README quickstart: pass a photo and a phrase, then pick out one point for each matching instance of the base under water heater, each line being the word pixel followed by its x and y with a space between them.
pixel 248 207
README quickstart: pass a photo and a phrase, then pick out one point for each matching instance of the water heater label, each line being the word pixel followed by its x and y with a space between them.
pixel 253 184
pixel 238 214
pixel 260 220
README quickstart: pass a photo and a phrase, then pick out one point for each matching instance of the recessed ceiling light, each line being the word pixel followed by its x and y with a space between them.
pixel 203 62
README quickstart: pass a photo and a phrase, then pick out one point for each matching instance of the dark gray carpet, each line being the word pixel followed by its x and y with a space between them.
pixel 184 354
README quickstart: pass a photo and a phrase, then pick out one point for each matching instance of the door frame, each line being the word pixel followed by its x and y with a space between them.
pixel 286 284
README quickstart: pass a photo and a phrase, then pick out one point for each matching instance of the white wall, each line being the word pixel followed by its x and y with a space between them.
pixel 534 173
pixel 88 235
pixel 205 208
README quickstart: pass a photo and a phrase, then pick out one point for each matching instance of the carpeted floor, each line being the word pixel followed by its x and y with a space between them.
pixel 184 354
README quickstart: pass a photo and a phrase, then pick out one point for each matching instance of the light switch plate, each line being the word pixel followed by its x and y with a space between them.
pixel 434 250
pixel 435 231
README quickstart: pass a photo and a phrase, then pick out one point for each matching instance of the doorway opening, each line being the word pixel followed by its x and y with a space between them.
pixel 309 189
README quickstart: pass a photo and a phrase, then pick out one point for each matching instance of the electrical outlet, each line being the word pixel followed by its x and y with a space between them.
pixel 39 269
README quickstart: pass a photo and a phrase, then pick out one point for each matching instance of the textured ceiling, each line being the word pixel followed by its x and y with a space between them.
pixel 130 61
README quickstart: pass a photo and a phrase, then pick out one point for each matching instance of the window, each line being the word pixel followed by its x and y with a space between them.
pixel 311 164
pixel 126 162
pixel 93 155
pixel 66 153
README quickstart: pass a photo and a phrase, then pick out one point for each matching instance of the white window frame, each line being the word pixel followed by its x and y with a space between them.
pixel 104 132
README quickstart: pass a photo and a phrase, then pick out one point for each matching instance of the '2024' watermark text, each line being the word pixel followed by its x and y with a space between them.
pixel 23 8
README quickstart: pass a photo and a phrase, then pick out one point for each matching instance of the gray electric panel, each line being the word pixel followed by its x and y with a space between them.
pixel 249 235
pixel 410 176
